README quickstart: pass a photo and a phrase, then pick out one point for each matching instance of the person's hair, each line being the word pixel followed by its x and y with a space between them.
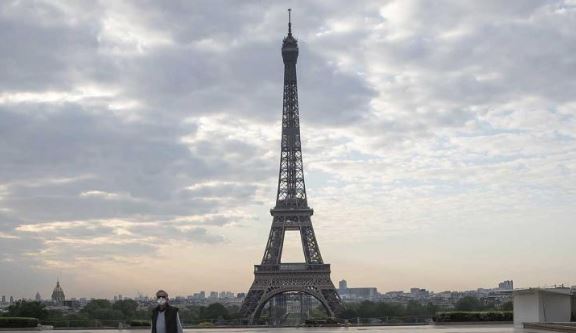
pixel 161 291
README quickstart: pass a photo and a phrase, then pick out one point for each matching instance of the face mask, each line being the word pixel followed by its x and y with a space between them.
pixel 161 301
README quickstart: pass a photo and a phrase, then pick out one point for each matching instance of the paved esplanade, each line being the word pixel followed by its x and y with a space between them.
pixel 291 212
pixel 361 329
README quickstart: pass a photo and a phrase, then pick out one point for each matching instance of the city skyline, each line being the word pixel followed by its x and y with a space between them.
pixel 506 285
pixel 139 142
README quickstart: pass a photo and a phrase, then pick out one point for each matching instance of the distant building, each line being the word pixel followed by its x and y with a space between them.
pixel 356 294
pixel 38 297
pixel 342 285
pixel 542 305
pixel 419 293
pixel 573 289
pixel 506 285
pixel 213 294
pixel 58 293
pixel 362 293
pixel 11 299
pixel 3 299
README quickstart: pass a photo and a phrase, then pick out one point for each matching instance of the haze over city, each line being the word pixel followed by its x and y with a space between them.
pixel 139 142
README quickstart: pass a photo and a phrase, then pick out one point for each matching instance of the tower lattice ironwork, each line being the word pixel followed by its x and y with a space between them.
pixel 272 277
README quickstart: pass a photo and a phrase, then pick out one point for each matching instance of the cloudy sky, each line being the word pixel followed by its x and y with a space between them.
pixel 139 142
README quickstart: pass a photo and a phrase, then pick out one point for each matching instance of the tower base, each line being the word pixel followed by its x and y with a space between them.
pixel 272 280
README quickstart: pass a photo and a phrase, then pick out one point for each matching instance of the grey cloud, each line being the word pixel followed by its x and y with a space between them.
pixel 329 96
pixel 211 220
pixel 229 191
pixel 145 161
pixel 383 99
pixel 165 232
pixel 46 51
pixel 202 235
pixel 68 253
pixel 15 249
pixel 490 39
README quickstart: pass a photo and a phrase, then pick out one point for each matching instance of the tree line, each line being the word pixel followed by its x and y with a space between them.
pixel 413 311
pixel 101 312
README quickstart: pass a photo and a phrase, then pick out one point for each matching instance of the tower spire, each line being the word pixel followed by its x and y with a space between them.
pixel 289 21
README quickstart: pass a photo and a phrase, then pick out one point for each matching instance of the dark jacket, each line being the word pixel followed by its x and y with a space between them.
pixel 170 316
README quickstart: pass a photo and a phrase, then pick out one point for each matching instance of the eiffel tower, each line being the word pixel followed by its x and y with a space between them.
pixel 272 277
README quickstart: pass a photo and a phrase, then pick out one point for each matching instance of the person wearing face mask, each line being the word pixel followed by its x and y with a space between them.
pixel 165 317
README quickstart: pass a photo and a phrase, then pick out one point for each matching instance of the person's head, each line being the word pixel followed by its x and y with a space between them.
pixel 162 298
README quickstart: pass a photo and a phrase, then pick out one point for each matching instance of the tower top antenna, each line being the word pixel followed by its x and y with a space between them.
pixel 290 21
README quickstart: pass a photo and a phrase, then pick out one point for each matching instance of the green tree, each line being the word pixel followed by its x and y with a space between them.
pixel 127 307
pixel 54 317
pixel 431 309
pixel 318 312
pixel 77 320
pixel 96 305
pixel 101 309
pixel 234 312
pixel 367 309
pixel 390 309
pixel 349 313
pixel 468 303
pixel 508 306
pixel 28 309
pixel 214 311
pixel 415 308
pixel 188 314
